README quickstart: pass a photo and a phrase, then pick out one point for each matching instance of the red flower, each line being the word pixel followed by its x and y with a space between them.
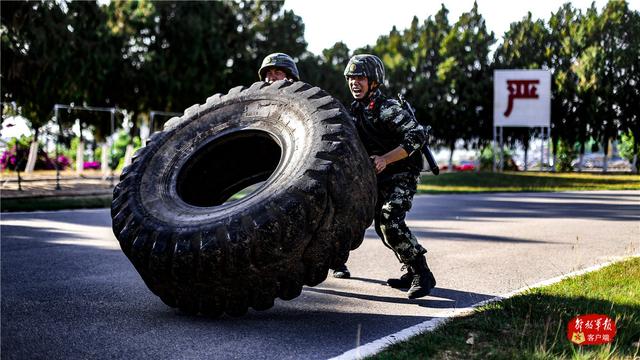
pixel 372 104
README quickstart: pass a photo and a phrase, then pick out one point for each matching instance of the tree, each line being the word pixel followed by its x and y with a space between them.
pixel 565 47
pixel 34 59
pixel 630 89
pixel 466 72
pixel 326 71
pixel 607 71
pixel 429 93
pixel 617 71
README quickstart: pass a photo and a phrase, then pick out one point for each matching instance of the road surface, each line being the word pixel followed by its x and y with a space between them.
pixel 68 291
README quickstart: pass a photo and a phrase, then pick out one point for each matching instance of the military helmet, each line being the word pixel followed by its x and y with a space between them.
pixel 366 65
pixel 281 60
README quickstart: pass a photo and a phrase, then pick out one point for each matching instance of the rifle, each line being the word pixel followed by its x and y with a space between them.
pixel 433 166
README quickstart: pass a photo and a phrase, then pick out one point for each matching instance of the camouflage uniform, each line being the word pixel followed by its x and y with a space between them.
pixel 383 124
pixel 384 127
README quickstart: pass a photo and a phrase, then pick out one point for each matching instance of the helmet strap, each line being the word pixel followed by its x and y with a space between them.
pixel 373 85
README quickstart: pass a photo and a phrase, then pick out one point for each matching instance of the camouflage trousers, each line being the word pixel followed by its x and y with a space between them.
pixel 395 197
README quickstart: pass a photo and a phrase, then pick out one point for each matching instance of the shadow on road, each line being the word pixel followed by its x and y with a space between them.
pixel 432 234
pixel 478 207
pixel 438 299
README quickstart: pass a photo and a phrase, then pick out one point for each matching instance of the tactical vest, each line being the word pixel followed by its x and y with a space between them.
pixel 378 139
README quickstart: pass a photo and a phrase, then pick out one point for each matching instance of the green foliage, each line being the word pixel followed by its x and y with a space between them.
pixel 487 157
pixel 566 154
pixel 145 55
pixel 466 78
pixel 57 203
pixel 72 151
pixel 119 148
pixel 627 148
pixel 32 36
pixel 326 71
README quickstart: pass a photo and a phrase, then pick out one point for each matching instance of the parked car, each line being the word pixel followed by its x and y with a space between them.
pixel 465 166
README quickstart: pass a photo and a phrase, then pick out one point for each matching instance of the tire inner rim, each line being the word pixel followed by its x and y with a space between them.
pixel 228 168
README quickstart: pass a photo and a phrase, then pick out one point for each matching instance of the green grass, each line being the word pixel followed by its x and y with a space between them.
pixel 533 325
pixel 469 182
pixel 55 203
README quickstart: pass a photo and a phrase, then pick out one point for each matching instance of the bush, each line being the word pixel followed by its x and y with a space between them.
pixel 625 148
pixel 15 158
pixel 63 162
pixel 566 154
pixel 119 148
pixel 91 165
pixel 486 159
pixel 10 158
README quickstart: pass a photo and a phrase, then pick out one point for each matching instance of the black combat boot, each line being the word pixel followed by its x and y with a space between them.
pixel 341 272
pixel 423 279
pixel 404 282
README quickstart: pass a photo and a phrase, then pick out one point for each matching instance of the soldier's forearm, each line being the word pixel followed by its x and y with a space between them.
pixel 394 155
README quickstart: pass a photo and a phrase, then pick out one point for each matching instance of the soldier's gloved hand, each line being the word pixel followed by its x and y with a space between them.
pixel 379 162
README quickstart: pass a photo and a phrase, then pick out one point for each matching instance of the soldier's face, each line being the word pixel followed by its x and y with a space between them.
pixel 274 74
pixel 359 86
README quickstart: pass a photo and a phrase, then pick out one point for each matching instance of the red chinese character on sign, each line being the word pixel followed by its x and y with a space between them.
pixel 592 329
pixel 520 89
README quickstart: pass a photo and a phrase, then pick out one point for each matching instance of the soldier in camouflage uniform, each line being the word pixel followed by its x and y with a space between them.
pixel 278 66
pixel 393 139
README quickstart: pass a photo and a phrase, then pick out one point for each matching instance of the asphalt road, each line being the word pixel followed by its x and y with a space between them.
pixel 68 291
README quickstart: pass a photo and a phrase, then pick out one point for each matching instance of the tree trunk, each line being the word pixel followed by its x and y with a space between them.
pixel 452 147
pixel 80 158
pixel 33 154
pixel 635 167
pixel 606 155
pixel 128 155
pixel 581 156
pixel 104 160
pixel 526 156
pixel 554 143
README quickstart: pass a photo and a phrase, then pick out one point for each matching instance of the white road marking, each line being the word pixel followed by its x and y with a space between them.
pixel 378 345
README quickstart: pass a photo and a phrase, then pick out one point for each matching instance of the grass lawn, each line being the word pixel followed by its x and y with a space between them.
pixel 55 203
pixel 533 325
pixel 468 182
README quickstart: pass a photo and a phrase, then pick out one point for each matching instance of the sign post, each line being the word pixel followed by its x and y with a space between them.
pixel 521 98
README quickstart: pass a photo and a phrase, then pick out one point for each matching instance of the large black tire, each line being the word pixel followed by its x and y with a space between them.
pixel 201 253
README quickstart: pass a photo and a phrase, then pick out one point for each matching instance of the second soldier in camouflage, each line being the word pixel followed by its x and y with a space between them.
pixel 393 139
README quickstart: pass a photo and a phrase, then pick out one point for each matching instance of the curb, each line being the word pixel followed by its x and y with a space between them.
pixel 378 345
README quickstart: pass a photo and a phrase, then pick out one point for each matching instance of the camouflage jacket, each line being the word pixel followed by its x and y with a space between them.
pixel 383 125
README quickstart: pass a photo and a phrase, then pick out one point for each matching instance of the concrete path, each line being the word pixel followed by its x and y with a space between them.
pixel 69 292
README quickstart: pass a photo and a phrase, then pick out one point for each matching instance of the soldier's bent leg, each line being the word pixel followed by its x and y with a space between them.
pixel 394 205
pixel 394 201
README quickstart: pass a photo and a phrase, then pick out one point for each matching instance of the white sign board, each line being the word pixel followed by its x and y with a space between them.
pixel 522 98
